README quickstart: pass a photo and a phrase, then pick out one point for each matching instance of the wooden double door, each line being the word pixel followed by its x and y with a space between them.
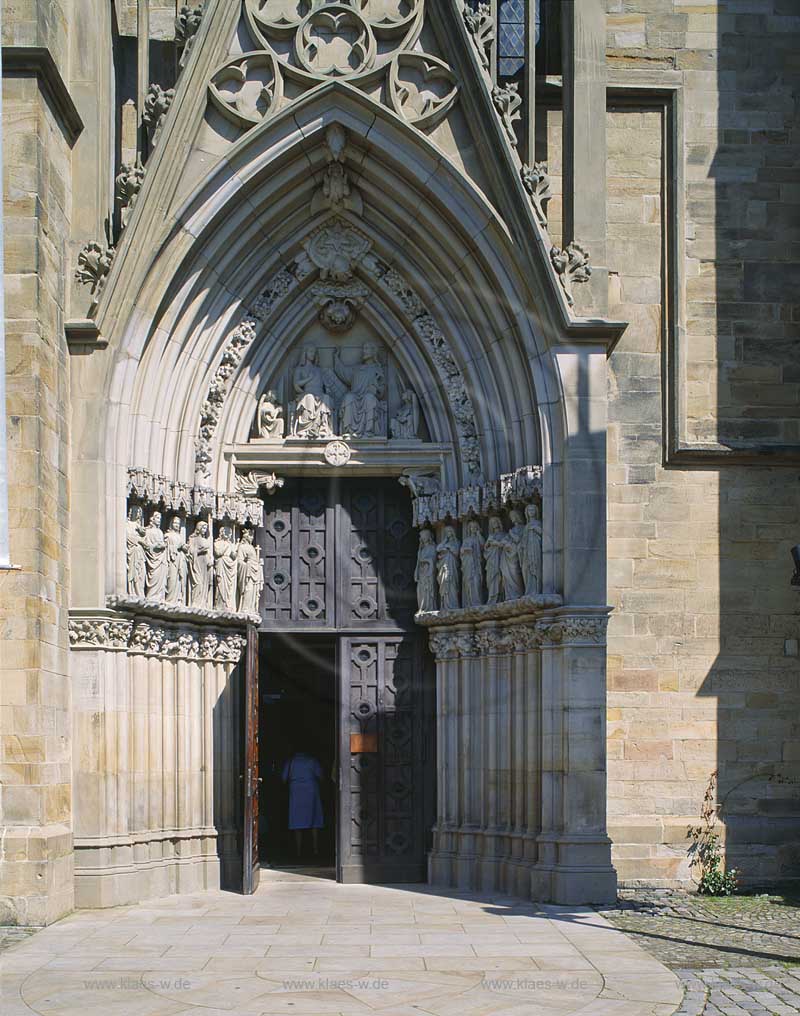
pixel 339 561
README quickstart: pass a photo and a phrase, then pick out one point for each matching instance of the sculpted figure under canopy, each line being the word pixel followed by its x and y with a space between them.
pixel 531 551
pixel 513 584
pixel 472 566
pixel 176 562
pixel 225 570
pixel 249 575
pixel 405 426
pixel 270 416
pixel 200 562
pixel 135 553
pixel 447 559
pixel 425 574
pixel 155 552
pixel 313 410
pixel 493 553
pixel 363 412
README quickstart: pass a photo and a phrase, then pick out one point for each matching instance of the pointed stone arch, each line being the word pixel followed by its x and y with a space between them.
pixel 217 222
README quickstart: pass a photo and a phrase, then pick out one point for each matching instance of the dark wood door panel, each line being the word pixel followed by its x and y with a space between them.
pixel 385 709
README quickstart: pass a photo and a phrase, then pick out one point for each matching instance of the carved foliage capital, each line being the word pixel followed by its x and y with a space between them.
pixel 155 638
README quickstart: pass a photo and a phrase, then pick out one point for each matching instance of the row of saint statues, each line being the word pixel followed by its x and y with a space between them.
pixel 480 570
pixel 316 413
pixel 201 572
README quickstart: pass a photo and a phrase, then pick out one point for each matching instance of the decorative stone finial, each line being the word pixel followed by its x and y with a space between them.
pixel 94 264
pixel 187 23
pixel 128 184
pixel 507 102
pixel 571 265
pixel 480 25
pixel 536 181
pixel 156 106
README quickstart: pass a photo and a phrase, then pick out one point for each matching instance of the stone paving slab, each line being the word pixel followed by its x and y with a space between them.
pixel 318 948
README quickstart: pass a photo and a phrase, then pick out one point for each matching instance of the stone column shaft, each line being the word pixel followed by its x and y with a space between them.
pixel 585 190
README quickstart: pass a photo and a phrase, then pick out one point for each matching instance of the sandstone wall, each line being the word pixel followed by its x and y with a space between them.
pixel 36 884
pixel 699 553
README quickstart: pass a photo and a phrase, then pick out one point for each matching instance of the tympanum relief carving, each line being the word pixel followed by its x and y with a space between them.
pixel 341 391
pixel 373 44
pixel 360 393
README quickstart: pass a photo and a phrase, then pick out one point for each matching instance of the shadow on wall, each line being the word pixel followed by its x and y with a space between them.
pixel 755 266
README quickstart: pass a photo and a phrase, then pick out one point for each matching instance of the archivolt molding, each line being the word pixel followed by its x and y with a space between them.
pixel 237 343
pixel 156 638
pixel 334 251
pixel 372 46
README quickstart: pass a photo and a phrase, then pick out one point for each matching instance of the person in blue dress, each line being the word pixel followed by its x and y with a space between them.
pixel 303 772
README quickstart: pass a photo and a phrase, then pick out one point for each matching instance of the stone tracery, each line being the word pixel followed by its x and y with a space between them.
pixel 365 42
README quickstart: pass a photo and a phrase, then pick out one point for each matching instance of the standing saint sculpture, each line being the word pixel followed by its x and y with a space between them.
pixel 249 575
pixel 405 426
pixel 270 416
pixel 530 551
pixel 135 553
pixel 513 583
pixel 176 561
pixel 363 411
pixel 200 562
pixel 425 573
pixel 472 565
pixel 225 567
pixel 155 552
pixel 313 407
pixel 493 553
pixel 447 569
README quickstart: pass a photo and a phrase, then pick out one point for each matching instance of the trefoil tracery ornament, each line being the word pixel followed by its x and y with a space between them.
pixel 361 41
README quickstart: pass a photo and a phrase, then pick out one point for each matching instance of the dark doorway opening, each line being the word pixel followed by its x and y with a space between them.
pixel 298 713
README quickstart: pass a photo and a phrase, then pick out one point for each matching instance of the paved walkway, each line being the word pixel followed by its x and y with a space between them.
pixel 738 956
pixel 315 947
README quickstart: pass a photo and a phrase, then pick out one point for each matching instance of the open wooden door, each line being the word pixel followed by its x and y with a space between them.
pixel 251 869
pixel 385 759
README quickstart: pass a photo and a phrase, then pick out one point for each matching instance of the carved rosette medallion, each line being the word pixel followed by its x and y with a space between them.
pixel 337 453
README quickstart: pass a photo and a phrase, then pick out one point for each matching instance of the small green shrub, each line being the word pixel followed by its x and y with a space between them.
pixel 705 852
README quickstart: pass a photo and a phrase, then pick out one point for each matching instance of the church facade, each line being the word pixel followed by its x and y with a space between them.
pixel 414 383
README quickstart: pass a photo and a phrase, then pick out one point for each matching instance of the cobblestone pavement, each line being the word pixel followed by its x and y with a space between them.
pixel 738 956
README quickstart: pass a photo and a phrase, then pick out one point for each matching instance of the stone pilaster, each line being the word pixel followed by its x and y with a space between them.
pixel 584 76
pixel 35 697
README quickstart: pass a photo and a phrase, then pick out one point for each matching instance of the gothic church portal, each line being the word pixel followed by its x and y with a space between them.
pixel 339 378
